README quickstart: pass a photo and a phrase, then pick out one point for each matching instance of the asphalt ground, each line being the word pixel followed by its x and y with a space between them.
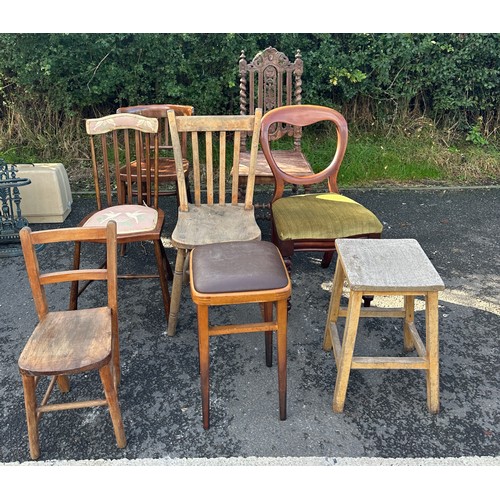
pixel 385 421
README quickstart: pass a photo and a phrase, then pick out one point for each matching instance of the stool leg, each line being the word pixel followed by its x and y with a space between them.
pixel 333 309
pixel 176 292
pixel 282 318
pixel 408 344
pixel 31 418
pixel 203 349
pixel 344 365
pixel 432 348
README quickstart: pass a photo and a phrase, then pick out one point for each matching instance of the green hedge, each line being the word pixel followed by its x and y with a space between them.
pixel 453 79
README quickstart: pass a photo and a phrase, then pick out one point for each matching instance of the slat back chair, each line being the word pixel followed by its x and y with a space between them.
pixel 216 215
pixel 70 342
pixel 116 142
pixel 312 222
pixel 270 80
pixel 166 162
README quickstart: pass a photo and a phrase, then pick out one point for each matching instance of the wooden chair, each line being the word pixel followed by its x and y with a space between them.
pixel 312 222
pixel 70 342
pixel 166 162
pixel 115 140
pixel 241 272
pixel 269 81
pixel 213 217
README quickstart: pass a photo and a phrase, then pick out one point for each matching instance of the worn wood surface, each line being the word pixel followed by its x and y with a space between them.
pixel 388 265
pixel 380 267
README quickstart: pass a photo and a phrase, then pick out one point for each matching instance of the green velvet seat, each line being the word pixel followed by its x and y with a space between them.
pixel 322 216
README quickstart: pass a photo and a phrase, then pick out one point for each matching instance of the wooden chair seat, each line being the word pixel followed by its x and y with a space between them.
pixel 130 219
pixel 67 342
pixel 291 161
pixel 220 223
pixel 241 272
pixel 166 170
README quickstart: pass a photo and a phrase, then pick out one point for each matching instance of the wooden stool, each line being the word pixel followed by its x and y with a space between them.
pixel 240 273
pixel 384 267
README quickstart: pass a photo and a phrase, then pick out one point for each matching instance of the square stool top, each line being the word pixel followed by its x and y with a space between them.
pixel 377 265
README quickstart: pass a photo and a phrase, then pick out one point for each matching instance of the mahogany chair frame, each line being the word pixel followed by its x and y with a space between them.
pixel 70 342
pixel 302 116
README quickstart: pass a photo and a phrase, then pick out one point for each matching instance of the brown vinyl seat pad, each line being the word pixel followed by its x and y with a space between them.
pixel 241 266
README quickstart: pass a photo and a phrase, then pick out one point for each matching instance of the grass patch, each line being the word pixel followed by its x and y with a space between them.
pixel 404 158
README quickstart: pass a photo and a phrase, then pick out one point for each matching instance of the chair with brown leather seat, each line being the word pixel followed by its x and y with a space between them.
pixel 241 272
pixel 166 164
pixel 70 342
pixel 313 221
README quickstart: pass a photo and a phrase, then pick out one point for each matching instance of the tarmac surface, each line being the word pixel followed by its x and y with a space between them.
pixel 385 421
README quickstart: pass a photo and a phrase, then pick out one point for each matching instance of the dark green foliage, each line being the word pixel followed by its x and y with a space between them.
pixel 381 82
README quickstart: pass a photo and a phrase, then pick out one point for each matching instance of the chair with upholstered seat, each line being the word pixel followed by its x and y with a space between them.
pixel 166 163
pixel 313 221
pixel 70 342
pixel 215 216
pixel 270 81
pixel 241 272
pixel 116 142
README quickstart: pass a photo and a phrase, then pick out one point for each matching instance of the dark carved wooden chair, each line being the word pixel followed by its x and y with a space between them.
pixel 166 162
pixel 269 81
pixel 313 221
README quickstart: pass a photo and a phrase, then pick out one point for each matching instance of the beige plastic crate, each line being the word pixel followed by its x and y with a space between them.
pixel 48 198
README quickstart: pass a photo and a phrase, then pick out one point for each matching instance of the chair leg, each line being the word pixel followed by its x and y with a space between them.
pixel 113 405
pixel 163 277
pixel 29 386
pixel 203 349
pixel 176 292
pixel 409 306
pixel 282 319
pixel 73 296
pixel 327 258
pixel 63 383
pixel 268 316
